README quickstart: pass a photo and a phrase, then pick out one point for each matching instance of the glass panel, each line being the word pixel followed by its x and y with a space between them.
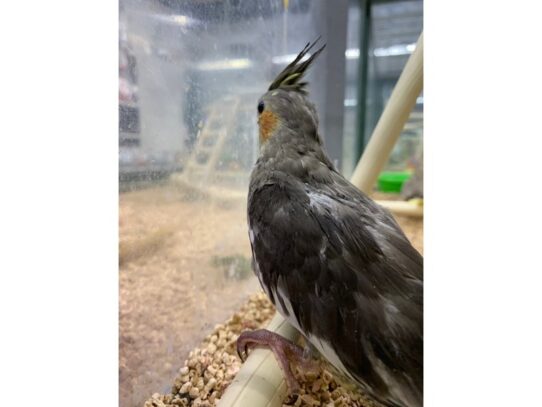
pixel 395 28
pixel 190 75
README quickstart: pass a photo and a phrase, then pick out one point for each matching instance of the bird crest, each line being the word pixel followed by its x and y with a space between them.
pixel 291 76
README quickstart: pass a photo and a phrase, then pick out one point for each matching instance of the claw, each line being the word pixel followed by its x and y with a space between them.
pixel 284 350
pixel 242 346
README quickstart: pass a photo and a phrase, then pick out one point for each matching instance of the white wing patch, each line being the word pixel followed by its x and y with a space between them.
pixel 327 351
pixel 317 200
pixel 252 233
pixel 259 275
pixel 398 393
pixel 322 251
pixel 287 313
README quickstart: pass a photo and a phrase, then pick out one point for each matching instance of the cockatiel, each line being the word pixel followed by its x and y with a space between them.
pixel 334 263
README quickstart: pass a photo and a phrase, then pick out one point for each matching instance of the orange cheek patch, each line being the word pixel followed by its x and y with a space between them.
pixel 268 122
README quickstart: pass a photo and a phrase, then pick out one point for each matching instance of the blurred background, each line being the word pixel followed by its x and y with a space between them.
pixel 190 75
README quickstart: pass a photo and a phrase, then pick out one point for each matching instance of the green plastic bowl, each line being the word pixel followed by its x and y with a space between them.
pixel 392 181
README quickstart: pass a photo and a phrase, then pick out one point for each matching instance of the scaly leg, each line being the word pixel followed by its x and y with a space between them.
pixel 284 350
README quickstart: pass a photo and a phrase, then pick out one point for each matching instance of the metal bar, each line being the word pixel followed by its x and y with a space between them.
pixel 329 75
pixel 363 77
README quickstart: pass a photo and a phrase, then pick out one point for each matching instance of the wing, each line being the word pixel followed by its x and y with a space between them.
pixel 339 268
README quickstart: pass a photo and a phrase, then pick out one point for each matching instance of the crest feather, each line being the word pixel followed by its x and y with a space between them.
pixel 290 77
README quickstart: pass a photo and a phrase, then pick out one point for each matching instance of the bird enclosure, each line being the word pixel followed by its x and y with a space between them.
pixel 191 74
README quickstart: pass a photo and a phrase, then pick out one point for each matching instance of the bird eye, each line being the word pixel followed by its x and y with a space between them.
pixel 260 107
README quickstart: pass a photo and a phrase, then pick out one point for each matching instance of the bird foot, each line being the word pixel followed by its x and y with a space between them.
pixel 285 351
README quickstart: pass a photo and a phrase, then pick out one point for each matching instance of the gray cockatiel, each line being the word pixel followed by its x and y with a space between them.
pixel 335 264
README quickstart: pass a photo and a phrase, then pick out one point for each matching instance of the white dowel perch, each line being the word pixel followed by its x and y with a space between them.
pixel 403 208
pixel 392 121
